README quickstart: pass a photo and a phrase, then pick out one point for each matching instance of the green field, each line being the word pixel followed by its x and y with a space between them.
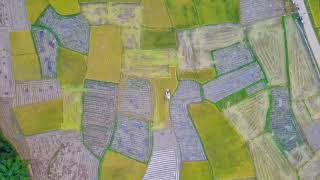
pixel 71 67
pixel 218 11
pixel 158 39
pixel 198 170
pixel 26 67
pixel 39 117
pixel 202 76
pixel 226 150
pixel 232 99
pixel 115 166
pixel 72 109
pixel 183 14
pixel 314 7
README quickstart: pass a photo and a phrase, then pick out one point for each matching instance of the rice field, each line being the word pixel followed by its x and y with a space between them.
pixel 155 14
pixel 21 43
pixel 116 166
pixel 72 110
pixel 26 67
pixel 105 57
pixel 152 39
pixel 35 8
pixel 249 116
pixel 226 150
pixel 40 117
pixel 183 13
pixel 63 8
pixel 201 76
pixel 268 42
pixel 71 68
pixel 269 162
pixel 303 78
pixel 199 170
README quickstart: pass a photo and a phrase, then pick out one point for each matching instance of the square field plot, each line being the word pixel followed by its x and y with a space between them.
pixel 183 13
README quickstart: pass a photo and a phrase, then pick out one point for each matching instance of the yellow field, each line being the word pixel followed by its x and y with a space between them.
pixel 26 67
pixel 72 109
pixel 71 67
pixel 198 170
pixel 40 117
pixel 201 76
pixel 115 166
pixel 105 54
pixel 35 8
pixel 66 8
pixel 161 106
pixel 21 43
pixel 226 150
pixel 155 14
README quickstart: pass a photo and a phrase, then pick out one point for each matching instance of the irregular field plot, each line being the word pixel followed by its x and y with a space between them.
pixel 26 67
pixel 71 67
pixel 218 11
pixel 314 6
pixel 125 14
pixel 199 170
pixel 301 113
pixel 117 166
pixel 226 150
pixel 232 99
pixel 155 14
pixel 270 163
pixel 63 8
pixel 201 76
pixel 40 117
pixel 151 39
pixel 35 8
pixel 249 116
pixel 182 13
pixel 105 55
pixel 267 41
pixel 303 78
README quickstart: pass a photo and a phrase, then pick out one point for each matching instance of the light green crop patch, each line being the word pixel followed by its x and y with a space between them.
pixel 158 39
pixel 26 67
pixel 226 150
pixel 314 6
pixel 39 117
pixel 35 8
pixel 72 109
pixel 71 68
pixel 218 11
pixel 197 170
pixel 183 14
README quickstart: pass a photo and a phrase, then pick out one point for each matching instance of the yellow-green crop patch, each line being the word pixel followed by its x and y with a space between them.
pixel 201 76
pixel 155 14
pixel 198 170
pixel 118 167
pixel 71 67
pixel 72 109
pixel 66 8
pixel 183 14
pixel 93 1
pixel 26 67
pixel 217 11
pixel 226 150
pixel 21 43
pixel 39 117
pixel 151 39
pixel 124 1
pixel 35 8
pixel 314 6
pixel 105 54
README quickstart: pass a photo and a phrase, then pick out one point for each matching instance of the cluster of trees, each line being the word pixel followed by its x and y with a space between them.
pixel 11 165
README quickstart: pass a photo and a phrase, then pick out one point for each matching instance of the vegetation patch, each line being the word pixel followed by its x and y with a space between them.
pixel 21 43
pixel 151 39
pixel 218 11
pixel 226 150
pixel 155 14
pixel 71 67
pixel 39 117
pixel 63 8
pixel 314 7
pixel 116 166
pixel 124 1
pixel 201 76
pixel 105 54
pixel 26 67
pixel 198 170
pixel 35 8
pixel 232 99
pixel 72 110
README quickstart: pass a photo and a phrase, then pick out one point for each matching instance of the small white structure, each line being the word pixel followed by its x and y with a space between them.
pixel 168 95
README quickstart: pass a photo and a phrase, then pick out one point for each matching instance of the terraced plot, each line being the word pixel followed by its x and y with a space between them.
pixel 269 161
pixel 132 138
pixel 249 116
pixel 257 10
pixel 165 159
pixel 287 132
pixel 231 58
pixel 135 98
pixel 232 82
pixel 99 113
pixel 310 170
pixel 267 41
pixel 30 92
pixel 47 46
pixel 72 31
pixel 189 142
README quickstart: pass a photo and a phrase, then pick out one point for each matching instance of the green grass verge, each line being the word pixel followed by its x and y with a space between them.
pixel 115 166
pixel 71 67
pixel 158 39
pixel 26 67
pixel 198 170
pixel 39 117
pixel 227 152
